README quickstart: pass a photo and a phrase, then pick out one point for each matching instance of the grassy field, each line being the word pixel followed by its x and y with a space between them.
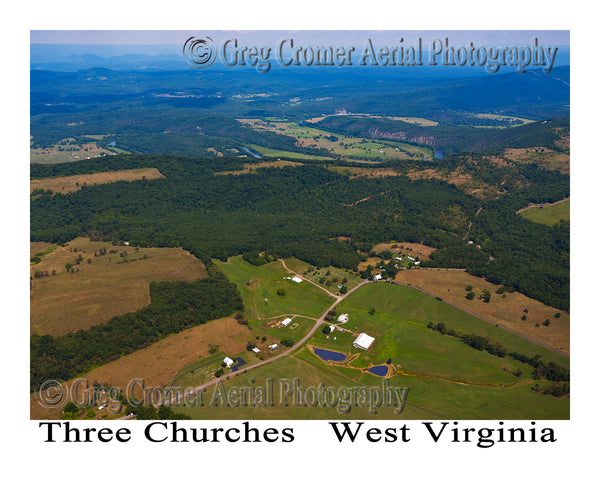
pixel 66 151
pixel 506 309
pixel 427 399
pixel 407 309
pixel 445 377
pixel 272 152
pixel 549 214
pixel 107 286
pixel 346 146
pixel 72 183
pixel 494 116
pixel 259 285
pixel 423 122
pixel 330 278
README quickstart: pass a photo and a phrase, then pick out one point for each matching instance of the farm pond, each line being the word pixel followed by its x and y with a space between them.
pixel 379 370
pixel 329 355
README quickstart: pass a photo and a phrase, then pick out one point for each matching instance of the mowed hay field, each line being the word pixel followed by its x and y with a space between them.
pixel 106 287
pixel 549 214
pixel 158 363
pixel 507 311
pixel 72 183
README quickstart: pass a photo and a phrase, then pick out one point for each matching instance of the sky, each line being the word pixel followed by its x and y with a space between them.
pixel 174 37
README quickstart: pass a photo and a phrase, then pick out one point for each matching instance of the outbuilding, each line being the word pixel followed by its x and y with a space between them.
pixel 363 341
pixel 286 322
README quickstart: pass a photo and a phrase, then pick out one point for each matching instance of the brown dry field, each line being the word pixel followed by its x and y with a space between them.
pixel 412 249
pixel 251 167
pixel 544 157
pixel 37 247
pixel 158 363
pixel 366 172
pixel 457 177
pixel 450 285
pixel 72 183
pixel 66 302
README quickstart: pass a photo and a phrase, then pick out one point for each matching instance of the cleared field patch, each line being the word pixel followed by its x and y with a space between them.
pixel 67 150
pixel 330 278
pixel 515 120
pixel 400 318
pixel 252 167
pixel 111 284
pixel 406 248
pixel 507 309
pixel 72 183
pixel 548 214
pixel 541 156
pixel 345 146
pixel 159 363
pixel 365 172
pixel 423 122
pixel 458 177
pixel 272 152
pixel 268 294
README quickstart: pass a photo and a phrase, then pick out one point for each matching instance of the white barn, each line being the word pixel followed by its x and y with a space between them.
pixel 296 279
pixel 286 322
pixel 363 341
pixel 228 362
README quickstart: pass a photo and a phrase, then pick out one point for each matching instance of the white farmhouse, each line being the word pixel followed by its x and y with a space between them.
pixel 363 341
pixel 228 362
pixel 343 318
pixel 377 277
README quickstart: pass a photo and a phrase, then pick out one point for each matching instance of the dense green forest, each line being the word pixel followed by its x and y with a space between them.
pixel 296 210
